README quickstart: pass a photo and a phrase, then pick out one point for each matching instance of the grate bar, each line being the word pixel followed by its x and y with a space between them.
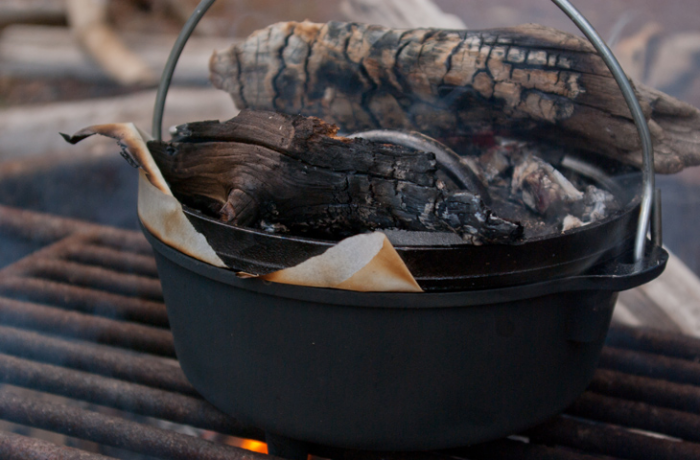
pixel 91 254
pixel 637 414
pixel 611 440
pixel 16 447
pixel 650 365
pixel 103 279
pixel 516 450
pixel 655 341
pixel 85 300
pixel 40 227
pixel 121 395
pixel 658 392
pixel 325 452
pixel 46 228
pixel 88 327
pixel 116 432
pixel 121 240
pixel 100 359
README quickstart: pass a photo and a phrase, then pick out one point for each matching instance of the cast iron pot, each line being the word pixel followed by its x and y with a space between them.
pixel 398 371
pixel 390 371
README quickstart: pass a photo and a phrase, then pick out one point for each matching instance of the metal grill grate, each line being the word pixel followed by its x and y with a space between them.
pixel 83 318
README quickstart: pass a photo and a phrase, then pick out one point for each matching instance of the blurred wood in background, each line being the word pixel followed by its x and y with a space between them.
pixel 32 12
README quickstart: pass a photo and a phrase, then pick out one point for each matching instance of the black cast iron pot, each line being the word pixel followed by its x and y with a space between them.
pixel 398 371
pixel 505 336
pixel 390 371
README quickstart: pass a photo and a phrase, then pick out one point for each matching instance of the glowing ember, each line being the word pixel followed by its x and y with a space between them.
pixel 248 444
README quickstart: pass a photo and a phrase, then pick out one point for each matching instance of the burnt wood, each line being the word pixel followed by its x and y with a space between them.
pixel 284 172
pixel 528 80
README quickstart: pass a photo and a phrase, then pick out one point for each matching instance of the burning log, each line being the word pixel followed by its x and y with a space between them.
pixel 527 80
pixel 294 173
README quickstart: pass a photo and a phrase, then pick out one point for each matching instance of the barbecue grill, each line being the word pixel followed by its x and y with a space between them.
pixel 83 318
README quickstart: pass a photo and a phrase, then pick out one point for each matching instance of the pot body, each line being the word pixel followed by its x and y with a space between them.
pixel 384 371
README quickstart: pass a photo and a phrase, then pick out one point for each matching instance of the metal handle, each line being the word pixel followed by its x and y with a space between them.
pixel 648 185
pixel 166 78
pixel 581 22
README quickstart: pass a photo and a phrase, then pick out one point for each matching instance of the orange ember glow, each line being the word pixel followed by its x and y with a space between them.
pixel 255 446
pixel 249 444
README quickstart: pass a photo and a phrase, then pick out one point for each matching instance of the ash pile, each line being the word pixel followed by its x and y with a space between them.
pixel 527 188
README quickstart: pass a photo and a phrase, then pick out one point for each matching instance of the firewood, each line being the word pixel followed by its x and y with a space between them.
pixel 283 172
pixel 24 54
pixel 41 123
pixel 32 12
pixel 399 13
pixel 526 81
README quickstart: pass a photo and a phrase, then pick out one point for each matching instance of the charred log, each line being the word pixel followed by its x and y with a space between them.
pixel 523 81
pixel 294 173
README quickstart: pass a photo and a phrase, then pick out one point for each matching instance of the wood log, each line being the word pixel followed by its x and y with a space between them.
pixel 88 19
pixel 32 131
pixel 671 302
pixel 399 13
pixel 51 52
pixel 526 81
pixel 51 12
pixel 284 172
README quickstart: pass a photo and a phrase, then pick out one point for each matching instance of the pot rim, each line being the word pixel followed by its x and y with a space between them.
pixel 613 276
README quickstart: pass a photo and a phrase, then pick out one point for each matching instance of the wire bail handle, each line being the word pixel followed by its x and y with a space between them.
pixel 586 28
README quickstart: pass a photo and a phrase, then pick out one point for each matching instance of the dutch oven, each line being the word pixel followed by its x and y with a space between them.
pixel 516 343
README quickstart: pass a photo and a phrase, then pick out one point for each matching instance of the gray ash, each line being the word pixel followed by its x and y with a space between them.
pixel 544 199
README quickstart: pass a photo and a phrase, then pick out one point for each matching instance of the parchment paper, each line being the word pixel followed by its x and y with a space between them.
pixel 365 262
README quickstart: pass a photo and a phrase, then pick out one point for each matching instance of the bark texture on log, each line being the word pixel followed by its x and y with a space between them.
pixel 526 80
pixel 286 172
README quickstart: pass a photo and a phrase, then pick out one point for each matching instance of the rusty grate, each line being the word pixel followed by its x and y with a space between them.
pixel 83 318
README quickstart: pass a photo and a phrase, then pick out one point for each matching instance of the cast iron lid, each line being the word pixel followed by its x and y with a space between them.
pixel 440 261
pixel 616 275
